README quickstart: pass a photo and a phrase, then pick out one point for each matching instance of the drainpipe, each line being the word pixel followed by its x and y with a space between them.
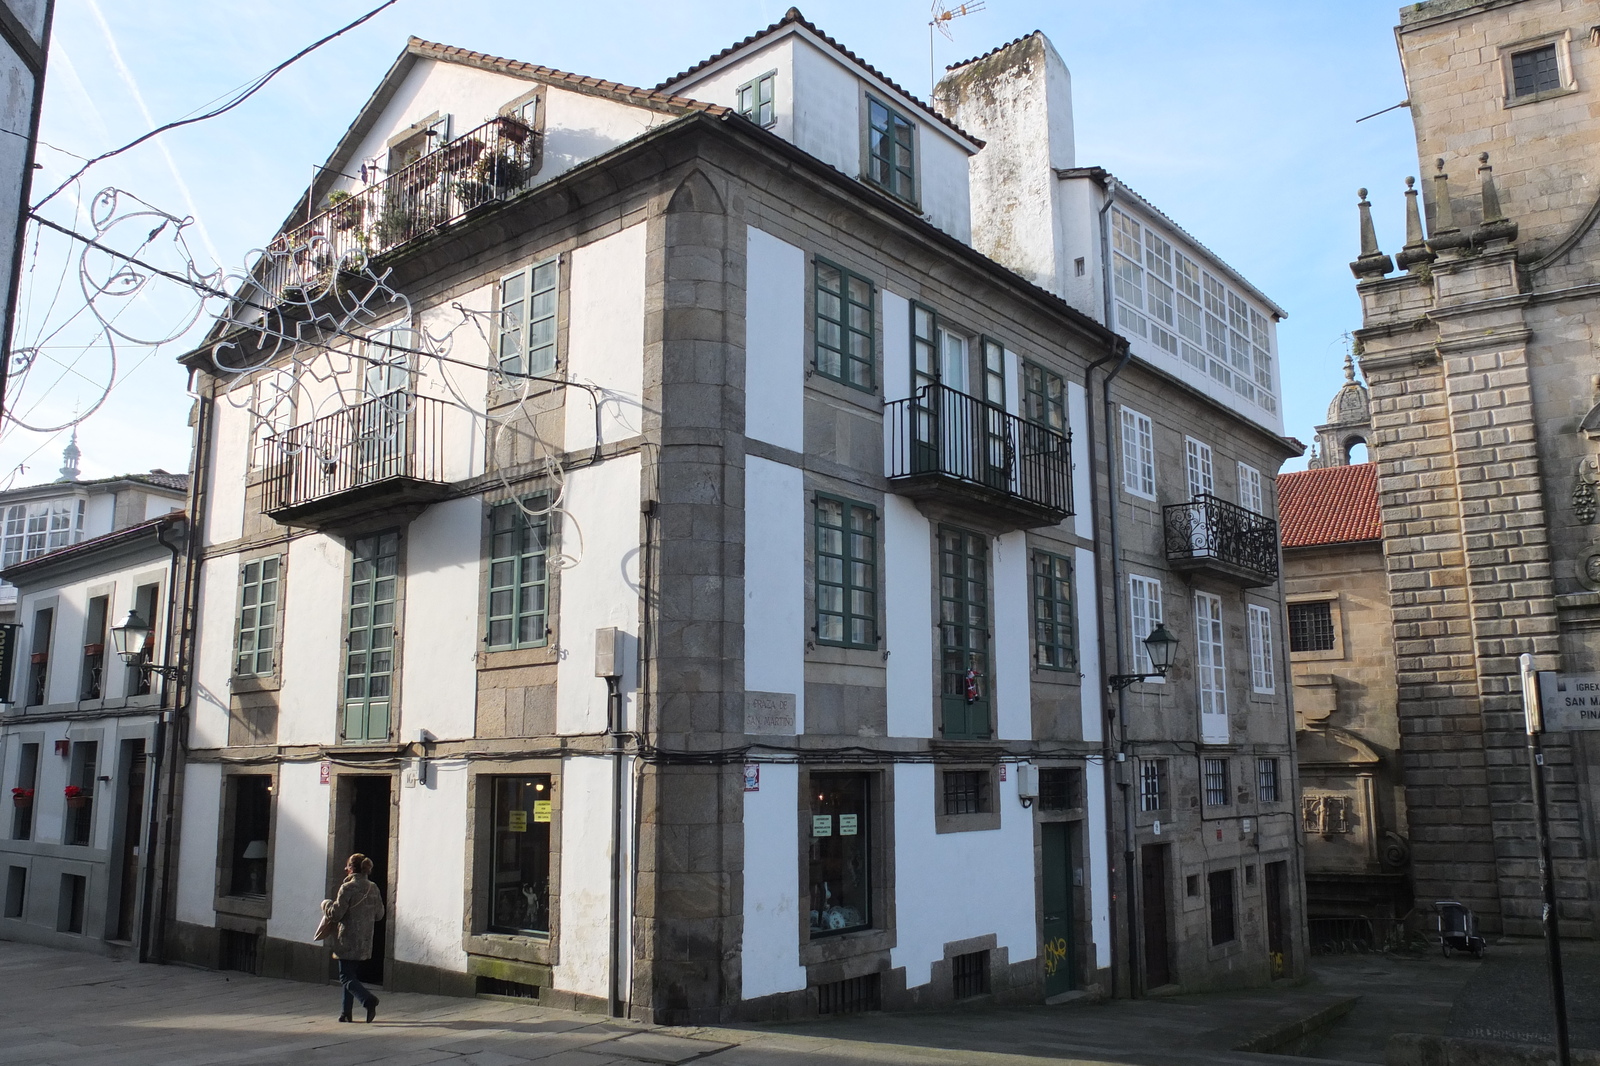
pixel 1129 876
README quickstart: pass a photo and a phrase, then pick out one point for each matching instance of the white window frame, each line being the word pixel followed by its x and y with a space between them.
pixel 522 334
pixel 1144 614
pixel 34 529
pixel 1210 669
pixel 1251 496
pixel 1199 468
pixel 1138 454
pixel 1262 679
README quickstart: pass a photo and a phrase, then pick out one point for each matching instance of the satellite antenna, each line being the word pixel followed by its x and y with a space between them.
pixel 942 17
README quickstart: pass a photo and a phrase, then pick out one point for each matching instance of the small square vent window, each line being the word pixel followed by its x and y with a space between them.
pixel 1535 71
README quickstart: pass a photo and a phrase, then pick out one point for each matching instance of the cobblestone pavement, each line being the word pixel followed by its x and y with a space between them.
pixel 70 1009
pixel 1508 998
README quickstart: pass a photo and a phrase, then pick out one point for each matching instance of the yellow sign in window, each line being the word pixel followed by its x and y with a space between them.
pixel 541 810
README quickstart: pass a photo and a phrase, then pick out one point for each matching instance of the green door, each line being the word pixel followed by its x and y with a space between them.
pixel 1060 945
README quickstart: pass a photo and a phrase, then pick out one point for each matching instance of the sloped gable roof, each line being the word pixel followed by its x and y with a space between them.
pixel 1333 505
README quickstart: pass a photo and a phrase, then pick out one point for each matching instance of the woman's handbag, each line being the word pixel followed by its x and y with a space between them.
pixel 327 927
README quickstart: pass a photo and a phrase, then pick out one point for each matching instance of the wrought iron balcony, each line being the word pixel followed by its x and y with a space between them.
pixel 1224 539
pixel 381 453
pixel 493 162
pixel 940 443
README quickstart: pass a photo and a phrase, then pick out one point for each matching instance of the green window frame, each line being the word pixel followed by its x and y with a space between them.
pixel 891 151
pixel 846 590
pixel 371 652
pixel 1054 631
pixel 845 326
pixel 258 617
pixel 755 100
pixel 964 634
pixel 1044 397
pixel 519 576
pixel 527 323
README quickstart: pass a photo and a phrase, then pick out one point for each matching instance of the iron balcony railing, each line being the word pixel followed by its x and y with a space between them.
pixel 493 162
pixel 941 433
pixel 1208 532
pixel 399 436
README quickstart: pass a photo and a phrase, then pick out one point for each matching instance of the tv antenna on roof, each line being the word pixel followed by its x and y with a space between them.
pixel 942 17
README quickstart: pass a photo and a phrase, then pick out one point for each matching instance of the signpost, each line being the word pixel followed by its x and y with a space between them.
pixel 1569 701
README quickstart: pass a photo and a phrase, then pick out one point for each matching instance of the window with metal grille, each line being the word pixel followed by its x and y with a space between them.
pixel 370 655
pixel 1054 645
pixel 853 995
pixel 258 617
pixel 1214 780
pixel 494 986
pixel 891 151
pixel 1153 785
pixel 240 951
pixel 1060 788
pixel 846 573
pixel 755 100
pixel 1311 626
pixel 519 575
pixel 1220 885
pixel 969 974
pixel 966 792
pixel 1535 71
pixel 844 326
pixel 1267 780
pixel 964 634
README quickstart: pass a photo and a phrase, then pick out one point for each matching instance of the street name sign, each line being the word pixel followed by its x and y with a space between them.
pixel 1571 701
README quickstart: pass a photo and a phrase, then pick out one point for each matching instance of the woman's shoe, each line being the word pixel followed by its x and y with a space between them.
pixel 344 1017
pixel 372 1009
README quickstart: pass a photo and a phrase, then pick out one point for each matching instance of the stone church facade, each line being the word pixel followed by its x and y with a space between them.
pixel 1479 353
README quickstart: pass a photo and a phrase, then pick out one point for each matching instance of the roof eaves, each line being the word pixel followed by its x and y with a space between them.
pixel 792 17
pixel 94 544
pixel 1102 175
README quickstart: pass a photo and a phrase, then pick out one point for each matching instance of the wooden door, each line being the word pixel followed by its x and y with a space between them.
pixel 132 824
pixel 1059 911
pixel 1153 889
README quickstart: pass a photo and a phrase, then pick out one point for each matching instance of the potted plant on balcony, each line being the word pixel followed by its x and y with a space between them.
pixel 512 129
pixel 77 798
pixel 502 168
pixel 459 155
pixel 347 210
pixel 22 797
pixel 393 224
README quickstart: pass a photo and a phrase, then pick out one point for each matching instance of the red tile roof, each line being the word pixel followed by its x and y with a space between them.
pixel 1333 505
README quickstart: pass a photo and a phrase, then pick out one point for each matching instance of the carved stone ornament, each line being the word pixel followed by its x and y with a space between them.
pixel 1588 566
pixel 1583 491
pixel 1326 814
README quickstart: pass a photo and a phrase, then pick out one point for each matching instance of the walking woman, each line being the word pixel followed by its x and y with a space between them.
pixel 353 913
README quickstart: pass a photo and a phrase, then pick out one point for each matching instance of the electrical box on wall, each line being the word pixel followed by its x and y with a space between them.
pixel 608 652
pixel 1027 783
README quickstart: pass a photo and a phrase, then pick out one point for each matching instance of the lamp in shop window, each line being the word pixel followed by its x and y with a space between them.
pixel 255 853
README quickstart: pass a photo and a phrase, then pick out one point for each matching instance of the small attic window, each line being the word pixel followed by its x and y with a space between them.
pixel 417 140
pixel 756 99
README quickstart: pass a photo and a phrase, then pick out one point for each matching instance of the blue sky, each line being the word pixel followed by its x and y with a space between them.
pixel 1236 117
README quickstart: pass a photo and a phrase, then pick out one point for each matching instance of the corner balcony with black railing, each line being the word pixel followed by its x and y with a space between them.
pixel 945 446
pixel 386 453
pixel 493 162
pixel 1216 537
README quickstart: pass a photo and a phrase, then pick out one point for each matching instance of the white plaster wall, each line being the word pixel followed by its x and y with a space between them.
pixel 770 953
pixel 1092 710
pixel 1092 699
pixel 1077 217
pixel 585 965
pixel 774 349
pixel 1082 462
pixel 430 872
pixel 230 457
pixel 99 514
pixel 299 851
pixel 213 653
pixel 601 590
pixel 944 182
pixel 720 85
pixel 908 622
pixel 313 641
pixel 1013 371
pixel 156 506
pixel 578 128
pixel 774 581
pixel 438 665
pixel 932 907
pixel 1012 668
pixel 1096 802
pixel 606 338
pixel 197 845
pixel 452 382
pixel 896 346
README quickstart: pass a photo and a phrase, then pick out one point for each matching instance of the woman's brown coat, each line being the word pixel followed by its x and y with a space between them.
pixel 356 909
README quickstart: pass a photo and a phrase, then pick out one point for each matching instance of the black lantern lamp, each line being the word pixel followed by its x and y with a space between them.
pixel 130 639
pixel 1161 646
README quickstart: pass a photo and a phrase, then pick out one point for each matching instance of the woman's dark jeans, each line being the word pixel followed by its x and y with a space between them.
pixel 353 989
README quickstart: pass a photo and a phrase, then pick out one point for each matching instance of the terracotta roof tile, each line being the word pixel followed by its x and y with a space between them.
pixel 1333 505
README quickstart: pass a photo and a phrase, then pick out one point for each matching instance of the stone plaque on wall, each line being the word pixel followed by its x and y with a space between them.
pixel 769 713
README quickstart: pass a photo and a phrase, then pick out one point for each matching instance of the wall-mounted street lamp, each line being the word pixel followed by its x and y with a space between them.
pixel 130 638
pixel 1161 646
